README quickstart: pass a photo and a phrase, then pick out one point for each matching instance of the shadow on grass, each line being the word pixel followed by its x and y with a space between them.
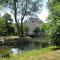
pixel 56 48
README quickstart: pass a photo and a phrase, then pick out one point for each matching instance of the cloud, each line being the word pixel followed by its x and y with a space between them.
pixel 44 14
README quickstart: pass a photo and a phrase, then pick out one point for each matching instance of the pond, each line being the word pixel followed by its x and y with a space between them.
pixel 7 50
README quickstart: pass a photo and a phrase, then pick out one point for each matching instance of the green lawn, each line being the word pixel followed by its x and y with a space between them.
pixel 37 54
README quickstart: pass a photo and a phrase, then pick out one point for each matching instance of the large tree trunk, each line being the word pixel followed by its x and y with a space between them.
pixel 22 31
pixel 15 16
pixel 22 18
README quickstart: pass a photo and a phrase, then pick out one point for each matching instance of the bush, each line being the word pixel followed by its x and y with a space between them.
pixel 56 36
pixel 45 45
pixel 57 40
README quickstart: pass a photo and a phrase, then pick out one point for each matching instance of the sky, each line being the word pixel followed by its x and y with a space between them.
pixel 42 16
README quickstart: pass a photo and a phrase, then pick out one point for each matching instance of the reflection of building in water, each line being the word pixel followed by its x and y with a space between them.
pixel 32 23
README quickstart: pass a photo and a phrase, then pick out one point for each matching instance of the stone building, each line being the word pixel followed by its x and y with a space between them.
pixel 32 23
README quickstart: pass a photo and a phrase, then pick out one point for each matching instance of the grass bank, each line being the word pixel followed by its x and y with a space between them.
pixel 37 54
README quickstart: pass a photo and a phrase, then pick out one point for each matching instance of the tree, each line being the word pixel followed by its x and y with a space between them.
pixel 26 30
pixel 11 4
pixel 15 15
pixel 29 8
pixel 54 19
pixel 56 37
pixel 24 8
pixel 36 31
pixel 8 24
pixel 2 25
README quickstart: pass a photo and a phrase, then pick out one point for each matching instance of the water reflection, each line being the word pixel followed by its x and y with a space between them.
pixel 7 52
pixel 16 51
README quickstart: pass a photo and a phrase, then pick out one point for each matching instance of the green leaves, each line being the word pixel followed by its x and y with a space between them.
pixel 2 22
pixel 54 18
pixel 2 25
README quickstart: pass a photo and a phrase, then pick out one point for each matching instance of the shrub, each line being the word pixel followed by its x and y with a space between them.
pixel 56 37
pixel 57 40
